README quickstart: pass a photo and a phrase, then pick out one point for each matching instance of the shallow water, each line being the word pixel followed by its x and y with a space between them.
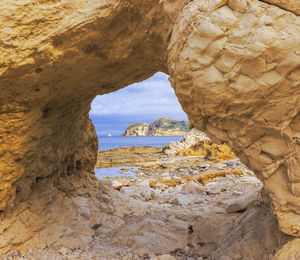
pixel 126 171
pixel 106 143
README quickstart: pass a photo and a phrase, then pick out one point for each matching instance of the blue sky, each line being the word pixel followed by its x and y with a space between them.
pixel 140 102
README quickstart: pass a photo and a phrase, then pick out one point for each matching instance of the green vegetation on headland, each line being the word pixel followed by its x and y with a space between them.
pixel 135 125
pixel 160 127
pixel 169 124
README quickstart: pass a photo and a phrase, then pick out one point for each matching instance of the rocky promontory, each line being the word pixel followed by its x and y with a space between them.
pixel 160 127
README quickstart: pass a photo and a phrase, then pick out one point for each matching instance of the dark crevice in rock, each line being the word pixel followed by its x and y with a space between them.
pixel 280 6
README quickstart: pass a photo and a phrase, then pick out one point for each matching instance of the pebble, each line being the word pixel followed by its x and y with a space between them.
pixel 205 165
pixel 214 188
pixel 116 183
pixel 160 186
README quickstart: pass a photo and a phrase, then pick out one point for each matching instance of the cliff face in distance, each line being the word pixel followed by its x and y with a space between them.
pixel 160 127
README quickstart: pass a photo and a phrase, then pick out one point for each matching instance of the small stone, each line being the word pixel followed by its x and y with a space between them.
pixel 174 201
pixel 165 174
pixel 184 199
pixel 229 163
pixel 193 188
pixel 237 193
pixel 250 179
pixel 220 165
pixel 205 165
pixel 116 183
pixel 160 186
pixel 200 200
pixel 64 251
pixel 214 188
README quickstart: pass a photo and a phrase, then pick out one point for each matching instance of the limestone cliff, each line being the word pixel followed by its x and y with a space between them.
pixel 234 65
pixel 160 127
pixel 138 129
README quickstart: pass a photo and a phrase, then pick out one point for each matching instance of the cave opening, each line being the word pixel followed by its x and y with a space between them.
pixel 144 101
pixel 146 113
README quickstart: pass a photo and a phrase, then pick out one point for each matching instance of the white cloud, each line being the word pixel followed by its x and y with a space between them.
pixel 154 96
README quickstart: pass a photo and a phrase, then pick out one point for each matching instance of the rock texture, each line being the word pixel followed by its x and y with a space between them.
pixel 234 66
pixel 128 156
pixel 290 5
pixel 194 143
pixel 56 56
pixel 141 221
pixel 138 129
pixel 237 65
pixel 192 138
pixel 160 127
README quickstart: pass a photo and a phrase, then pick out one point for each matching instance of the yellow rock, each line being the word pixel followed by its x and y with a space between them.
pixel 212 151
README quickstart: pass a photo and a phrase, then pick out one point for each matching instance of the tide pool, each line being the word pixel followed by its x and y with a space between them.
pixel 125 171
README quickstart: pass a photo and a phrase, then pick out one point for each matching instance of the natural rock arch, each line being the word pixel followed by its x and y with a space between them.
pixel 234 66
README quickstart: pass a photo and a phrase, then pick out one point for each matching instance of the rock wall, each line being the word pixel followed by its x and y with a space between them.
pixel 137 130
pixel 235 69
pixel 233 64
pixel 56 56
pixel 289 5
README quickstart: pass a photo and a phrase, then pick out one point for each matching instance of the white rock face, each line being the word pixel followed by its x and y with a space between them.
pixel 160 127
pixel 188 140
pixel 138 130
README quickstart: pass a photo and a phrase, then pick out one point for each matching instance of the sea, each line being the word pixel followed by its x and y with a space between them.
pixel 106 143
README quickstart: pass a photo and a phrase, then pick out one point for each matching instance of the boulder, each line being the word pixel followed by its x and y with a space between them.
pixel 239 204
pixel 193 189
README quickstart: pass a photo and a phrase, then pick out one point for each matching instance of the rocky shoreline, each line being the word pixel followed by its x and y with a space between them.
pixel 177 207
pixel 208 190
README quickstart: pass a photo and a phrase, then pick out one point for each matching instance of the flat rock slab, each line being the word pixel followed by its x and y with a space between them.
pixel 240 203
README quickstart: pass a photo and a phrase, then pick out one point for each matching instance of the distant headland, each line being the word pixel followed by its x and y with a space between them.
pixel 160 127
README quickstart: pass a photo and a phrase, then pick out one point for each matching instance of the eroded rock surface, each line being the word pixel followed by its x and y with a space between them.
pixel 237 65
pixel 128 156
pixel 143 222
pixel 56 56
pixel 233 64
pixel 290 5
